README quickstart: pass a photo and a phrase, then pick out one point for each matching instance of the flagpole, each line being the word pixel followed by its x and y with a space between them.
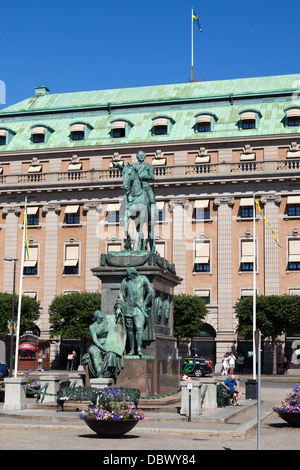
pixel 192 67
pixel 254 289
pixel 20 296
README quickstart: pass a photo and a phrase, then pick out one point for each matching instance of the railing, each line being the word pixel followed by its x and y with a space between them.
pixel 160 173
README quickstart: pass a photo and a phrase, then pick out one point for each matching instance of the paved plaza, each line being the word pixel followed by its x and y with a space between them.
pixel 165 430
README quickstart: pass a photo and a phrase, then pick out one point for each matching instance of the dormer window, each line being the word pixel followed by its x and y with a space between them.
pixel 292 116
pixel 120 128
pixel 40 134
pixel 79 131
pixel 162 125
pixel 249 119
pixel 2 137
pixel 205 122
pixel 6 135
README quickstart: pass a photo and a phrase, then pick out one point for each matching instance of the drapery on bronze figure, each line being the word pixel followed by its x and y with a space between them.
pixel 104 356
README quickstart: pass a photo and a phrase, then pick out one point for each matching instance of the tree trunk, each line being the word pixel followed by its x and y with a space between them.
pixel 274 349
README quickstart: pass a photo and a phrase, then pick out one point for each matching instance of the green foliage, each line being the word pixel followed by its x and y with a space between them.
pixel 275 315
pixel 189 313
pixel 70 315
pixel 30 313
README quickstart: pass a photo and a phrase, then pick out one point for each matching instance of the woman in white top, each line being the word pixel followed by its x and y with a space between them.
pixel 225 364
pixel 231 363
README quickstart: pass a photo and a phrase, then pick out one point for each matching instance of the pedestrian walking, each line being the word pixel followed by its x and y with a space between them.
pixel 225 364
pixel 231 363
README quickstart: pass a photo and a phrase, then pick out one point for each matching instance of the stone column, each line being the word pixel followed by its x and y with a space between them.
pixel 92 246
pixel 271 250
pixel 225 333
pixel 50 261
pixel 11 245
pixel 196 401
pixel 179 208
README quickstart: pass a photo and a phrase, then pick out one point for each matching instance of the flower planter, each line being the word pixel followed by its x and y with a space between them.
pixel 2 394
pixel 111 428
pixel 293 419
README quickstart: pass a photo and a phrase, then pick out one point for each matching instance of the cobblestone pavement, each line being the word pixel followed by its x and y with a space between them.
pixel 158 433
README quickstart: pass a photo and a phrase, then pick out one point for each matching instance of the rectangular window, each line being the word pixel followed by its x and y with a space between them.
pixel 204 295
pixel 204 127
pixel 201 209
pixel 294 266
pixel 246 266
pixel 246 211
pixel 117 133
pixel 294 121
pixel 31 262
pixel 246 256
pixel 293 209
pixel 161 216
pixel 248 124
pixel 38 138
pixel 71 263
pixel 32 216
pixel 160 130
pixel 72 219
pixel 202 213
pixel 294 255
pixel 32 219
pixel 113 217
pixel 2 140
pixel 72 215
pixel 77 135
pixel 202 257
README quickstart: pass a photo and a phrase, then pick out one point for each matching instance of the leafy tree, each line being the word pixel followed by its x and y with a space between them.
pixel 189 313
pixel 70 315
pixel 275 315
pixel 30 313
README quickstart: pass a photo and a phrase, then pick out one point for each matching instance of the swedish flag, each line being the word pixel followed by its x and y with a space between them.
pixel 26 238
pixel 196 20
pixel 273 233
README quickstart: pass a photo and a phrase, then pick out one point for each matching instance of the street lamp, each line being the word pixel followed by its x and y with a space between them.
pixel 13 314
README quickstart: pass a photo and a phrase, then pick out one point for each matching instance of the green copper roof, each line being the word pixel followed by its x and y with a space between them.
pixel 150 94
pixel 176 101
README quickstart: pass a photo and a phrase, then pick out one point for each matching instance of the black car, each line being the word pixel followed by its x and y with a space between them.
pixel 197 366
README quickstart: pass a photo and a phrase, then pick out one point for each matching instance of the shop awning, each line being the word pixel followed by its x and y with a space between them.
pixel 27 346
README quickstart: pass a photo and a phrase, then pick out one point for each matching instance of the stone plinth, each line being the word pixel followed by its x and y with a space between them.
pixel 196 400
pixel 15 395
pixel 53 386
pixel 100 382
pixel 151 376
pixel 162 281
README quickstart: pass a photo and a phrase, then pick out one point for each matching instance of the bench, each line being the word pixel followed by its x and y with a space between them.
pixel 131 394
pixel 40 392
pixel 73 393
pixel 223 397
pixel 91 394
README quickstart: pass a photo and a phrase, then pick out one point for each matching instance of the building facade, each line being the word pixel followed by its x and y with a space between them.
pixel 213 145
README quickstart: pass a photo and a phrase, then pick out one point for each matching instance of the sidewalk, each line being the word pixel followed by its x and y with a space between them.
pixel 163 428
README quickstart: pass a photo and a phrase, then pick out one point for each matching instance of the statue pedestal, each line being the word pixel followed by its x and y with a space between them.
pixel 151 376
pixel 162 278
pixel 159 371
pixel 100 382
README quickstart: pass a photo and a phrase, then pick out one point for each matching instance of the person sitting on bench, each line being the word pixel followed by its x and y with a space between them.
pixel 231 385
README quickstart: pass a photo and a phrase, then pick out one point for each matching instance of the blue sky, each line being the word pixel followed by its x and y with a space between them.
pixel 76 46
